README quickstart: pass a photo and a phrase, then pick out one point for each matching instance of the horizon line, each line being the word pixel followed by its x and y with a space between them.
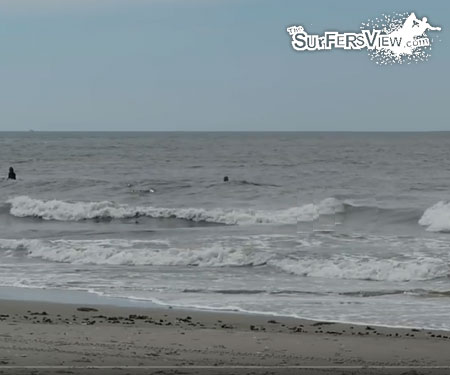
pixel 224 131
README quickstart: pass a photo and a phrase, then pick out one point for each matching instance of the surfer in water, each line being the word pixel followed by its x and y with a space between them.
pixel 11 174
pixel 226 179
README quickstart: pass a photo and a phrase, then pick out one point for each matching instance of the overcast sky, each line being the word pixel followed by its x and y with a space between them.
pixel 210 65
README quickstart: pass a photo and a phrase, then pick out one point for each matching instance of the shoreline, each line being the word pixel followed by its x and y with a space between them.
pixel 80 297
pixel 94 338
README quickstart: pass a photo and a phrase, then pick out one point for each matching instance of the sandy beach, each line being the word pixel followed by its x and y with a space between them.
pixel 50 338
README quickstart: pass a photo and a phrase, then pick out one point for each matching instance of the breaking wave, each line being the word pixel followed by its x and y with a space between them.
pixel 437 217
pixel 24 206
pixel 368 268
pixel 163 253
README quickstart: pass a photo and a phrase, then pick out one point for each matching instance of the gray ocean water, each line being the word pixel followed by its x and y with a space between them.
pixel 337 226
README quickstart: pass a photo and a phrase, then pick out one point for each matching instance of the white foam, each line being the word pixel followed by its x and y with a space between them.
pixel 222 253
pixel 24 206
pixel 132 252
pixel 367 268
pixel 437 217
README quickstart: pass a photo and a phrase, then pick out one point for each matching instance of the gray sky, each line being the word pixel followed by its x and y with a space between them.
pixel 209 65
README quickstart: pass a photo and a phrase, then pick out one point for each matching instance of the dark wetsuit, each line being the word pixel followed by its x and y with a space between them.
pixel 11 174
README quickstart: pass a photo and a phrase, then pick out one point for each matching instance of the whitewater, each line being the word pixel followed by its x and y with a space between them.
pixel 349 227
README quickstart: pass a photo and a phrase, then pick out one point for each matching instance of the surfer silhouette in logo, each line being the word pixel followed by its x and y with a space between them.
pixel 411 30
pixel 422 26
pixel 11 174
pixel 414 27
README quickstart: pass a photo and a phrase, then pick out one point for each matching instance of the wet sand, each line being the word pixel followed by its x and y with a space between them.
pixel 49 338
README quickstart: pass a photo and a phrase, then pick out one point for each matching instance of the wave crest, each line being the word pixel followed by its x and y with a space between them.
pixel 250 253
pixel 135 253
pixel 437 217
pixel 367 268
pixel 24 206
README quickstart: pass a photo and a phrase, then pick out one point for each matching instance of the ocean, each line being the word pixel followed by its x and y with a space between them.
pixel 350 227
